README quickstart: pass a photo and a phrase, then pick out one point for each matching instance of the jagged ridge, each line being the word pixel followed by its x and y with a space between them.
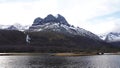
pixel 50 18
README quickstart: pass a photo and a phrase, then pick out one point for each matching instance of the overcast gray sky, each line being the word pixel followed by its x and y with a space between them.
pixel 97 16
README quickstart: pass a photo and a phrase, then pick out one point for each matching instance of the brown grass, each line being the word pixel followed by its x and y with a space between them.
pixel 73 54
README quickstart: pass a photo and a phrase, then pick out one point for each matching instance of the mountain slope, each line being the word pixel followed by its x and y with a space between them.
pixel 11 37
pixel 47 41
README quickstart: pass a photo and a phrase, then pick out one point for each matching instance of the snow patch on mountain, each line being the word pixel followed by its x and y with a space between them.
pixel 102 36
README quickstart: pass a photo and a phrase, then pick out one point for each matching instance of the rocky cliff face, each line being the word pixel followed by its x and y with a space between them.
pixel 50 19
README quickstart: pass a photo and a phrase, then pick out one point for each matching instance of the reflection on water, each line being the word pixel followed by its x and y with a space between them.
pixel 42 61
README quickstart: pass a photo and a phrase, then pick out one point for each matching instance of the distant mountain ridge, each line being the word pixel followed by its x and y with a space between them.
pixel 112 38
pixel 16 26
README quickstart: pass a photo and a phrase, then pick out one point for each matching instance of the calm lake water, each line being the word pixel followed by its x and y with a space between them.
pixel 42 61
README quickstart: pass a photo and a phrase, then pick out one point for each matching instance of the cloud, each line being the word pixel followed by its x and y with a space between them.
pixel 9 1
pixel 79 11
pixel 117 26
pixel 92 15
pixel 101 28
pixel 105 24
pixel 25 12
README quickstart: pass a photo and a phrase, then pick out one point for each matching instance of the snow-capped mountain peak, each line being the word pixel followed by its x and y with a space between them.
pixel 113 37
pixel 15 26
pixel 59 24
pixel 12 27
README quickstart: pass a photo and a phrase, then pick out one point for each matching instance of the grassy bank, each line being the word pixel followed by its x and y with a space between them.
pixel 73 54
pixel 55 54
pixel 47 54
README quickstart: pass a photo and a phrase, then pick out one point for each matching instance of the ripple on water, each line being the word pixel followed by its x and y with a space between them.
pixel 100 61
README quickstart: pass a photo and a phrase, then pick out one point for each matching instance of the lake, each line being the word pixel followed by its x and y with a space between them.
pixel 43 61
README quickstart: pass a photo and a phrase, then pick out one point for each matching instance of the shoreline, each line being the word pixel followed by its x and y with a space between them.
pixel 54 54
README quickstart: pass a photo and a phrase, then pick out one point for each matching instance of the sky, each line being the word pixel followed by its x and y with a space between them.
pixel 97 16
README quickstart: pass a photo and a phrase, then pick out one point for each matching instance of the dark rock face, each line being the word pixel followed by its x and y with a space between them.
pixel 50 19
pixel 62 20
pixel 37 21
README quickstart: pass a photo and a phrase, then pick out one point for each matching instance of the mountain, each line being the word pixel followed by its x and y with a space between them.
pixel 55 34
pixel 21 27
pixel 102 36
pixel 59 24
pixel 4 26
pixel 51 34
pixel 113 38
pixel 14 27
pixel 50 18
